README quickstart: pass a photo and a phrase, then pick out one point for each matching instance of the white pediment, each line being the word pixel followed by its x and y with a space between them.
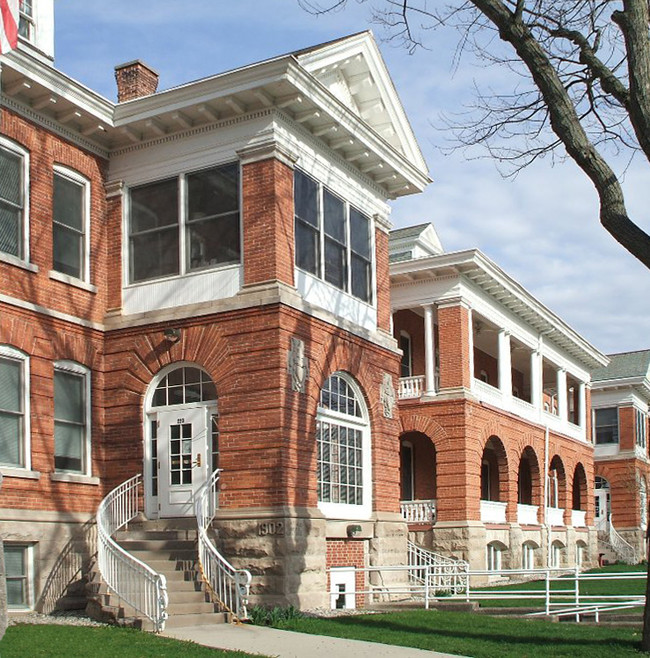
pixel 353 70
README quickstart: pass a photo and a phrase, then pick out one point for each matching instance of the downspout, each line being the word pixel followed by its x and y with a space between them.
pixel 546 523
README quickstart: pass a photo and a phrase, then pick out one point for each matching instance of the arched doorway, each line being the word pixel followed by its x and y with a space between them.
pixel 603 504
pixel 181 439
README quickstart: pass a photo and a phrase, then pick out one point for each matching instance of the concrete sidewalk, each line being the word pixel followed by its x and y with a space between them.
pixel 287 644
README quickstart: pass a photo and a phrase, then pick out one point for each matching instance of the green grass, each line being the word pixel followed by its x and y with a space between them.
pixel 590 587
pixel 475 635
pixel 27 640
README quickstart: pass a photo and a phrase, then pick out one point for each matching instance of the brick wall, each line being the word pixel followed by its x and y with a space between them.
pixel 267 216
pixel 453 329
pixel 46 150
pixel 347 553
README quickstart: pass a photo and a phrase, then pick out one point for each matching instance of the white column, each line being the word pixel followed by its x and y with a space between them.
pixel 582 402
pixel 536 379
pixel 562 408
pixel 470 336
pixel 505 364
pixel 391 326
pixel 429 352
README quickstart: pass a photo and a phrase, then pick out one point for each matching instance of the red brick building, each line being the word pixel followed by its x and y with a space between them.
pixel 496 452
pixel 620 396
pixel 210 260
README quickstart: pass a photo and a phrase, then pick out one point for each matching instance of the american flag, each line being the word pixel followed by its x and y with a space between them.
pixel 8 25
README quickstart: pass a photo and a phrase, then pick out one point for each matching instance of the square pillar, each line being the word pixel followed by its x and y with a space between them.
pixel 536 380
pixel 505 364
pixel 429 352
pixel 454 340
pixel 562 407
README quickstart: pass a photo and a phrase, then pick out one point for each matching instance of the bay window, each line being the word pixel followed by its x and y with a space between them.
pixel 185 224
pixel 332 238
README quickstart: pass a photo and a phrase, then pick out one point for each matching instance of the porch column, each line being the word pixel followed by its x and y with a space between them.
pixel 582 402
pixel 505 364
pixel 429 352
pixel 562 408
pixel 536 379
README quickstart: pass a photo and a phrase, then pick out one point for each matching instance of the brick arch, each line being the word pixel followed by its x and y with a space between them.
pixel 76 348
pixel 17 333
pixel 579 489
pixel 531 479
pixel 557 464
pixel 495 454
pixel 421 424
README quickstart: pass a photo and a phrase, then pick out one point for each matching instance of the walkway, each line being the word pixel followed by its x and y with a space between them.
pixel 287 644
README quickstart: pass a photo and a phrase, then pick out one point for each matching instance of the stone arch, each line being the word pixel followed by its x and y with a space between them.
pixel 528 478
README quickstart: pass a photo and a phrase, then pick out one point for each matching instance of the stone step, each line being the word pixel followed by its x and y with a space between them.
pixel 157 545
pixel 185 555
pixel 181 621
pixel 169 534
pixel 190 608
pixel 186 596
pixel 185 523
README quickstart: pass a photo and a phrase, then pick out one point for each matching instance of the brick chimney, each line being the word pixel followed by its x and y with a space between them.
pixel 135 79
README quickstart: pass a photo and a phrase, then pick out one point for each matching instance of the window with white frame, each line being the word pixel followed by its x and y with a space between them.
pixel 606 425
pixel 17 568
pixel 332 238
pixel 14 408
pixel 528 555
pixel 494 557
pixel 556 554
pixel 641 428
pixel 70 219
pixel 185 224
pixel 14 167
pixel 342 436
pixel 71 418
pixel 26 19
pixel 580 553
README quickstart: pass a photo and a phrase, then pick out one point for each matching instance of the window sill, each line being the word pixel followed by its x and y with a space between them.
pixel 9 472
pixel 72 281
pixel 18 262
pixel 76 478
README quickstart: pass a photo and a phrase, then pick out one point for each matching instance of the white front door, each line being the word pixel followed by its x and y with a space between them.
pixel 182 459
pixel 602 509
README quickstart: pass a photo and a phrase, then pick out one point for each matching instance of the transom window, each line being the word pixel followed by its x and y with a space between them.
pixel 13 220
pixel 69 224
pixel 185 224
pixel 71 418
pixel 14 400
pixel 606 425
pixel 332 238
pixel 184 385
pixel 343 450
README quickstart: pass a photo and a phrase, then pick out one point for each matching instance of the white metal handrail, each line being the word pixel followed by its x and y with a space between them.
pixel 443 574
pixel 624 550
pixel 229 586
pixel 131 579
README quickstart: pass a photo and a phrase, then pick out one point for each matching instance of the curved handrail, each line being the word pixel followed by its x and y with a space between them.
pixel 442 573
pixel 131 579
pixel 621 547
pixel 229 586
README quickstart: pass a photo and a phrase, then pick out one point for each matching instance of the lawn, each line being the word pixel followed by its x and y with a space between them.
pixel 475 635
pixel 30 640
pixel 587 587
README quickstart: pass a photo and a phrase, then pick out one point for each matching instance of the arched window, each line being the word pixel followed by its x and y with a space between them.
pixel 343 440
pixel 556 554
pixel 184 385
pixel 494 556
pixel 581 548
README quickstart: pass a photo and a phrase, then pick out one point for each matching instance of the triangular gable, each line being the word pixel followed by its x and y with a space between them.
pixel 354 71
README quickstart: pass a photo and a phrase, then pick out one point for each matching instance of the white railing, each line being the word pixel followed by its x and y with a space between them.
pixel 622 548
pixel 132 580
pixel 418 511
pixel 527 514
pixel 488 393
pixel 442 575
pixel 578 518
pixel 410 387
pixel 229 586
pixel 555 516
pixel 493 511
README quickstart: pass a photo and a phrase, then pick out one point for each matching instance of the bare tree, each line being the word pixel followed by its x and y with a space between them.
pixel 584 87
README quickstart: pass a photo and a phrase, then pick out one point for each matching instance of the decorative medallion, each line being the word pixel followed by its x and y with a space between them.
pixel 298 365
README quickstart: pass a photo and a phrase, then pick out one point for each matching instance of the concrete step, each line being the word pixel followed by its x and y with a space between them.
pixel 181 621
pixel 187 555
pixel 144 534
pixel 190 608
pixel 157 545
pixel 186 596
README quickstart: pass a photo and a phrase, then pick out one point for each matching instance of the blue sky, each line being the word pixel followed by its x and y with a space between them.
pixel 542 227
